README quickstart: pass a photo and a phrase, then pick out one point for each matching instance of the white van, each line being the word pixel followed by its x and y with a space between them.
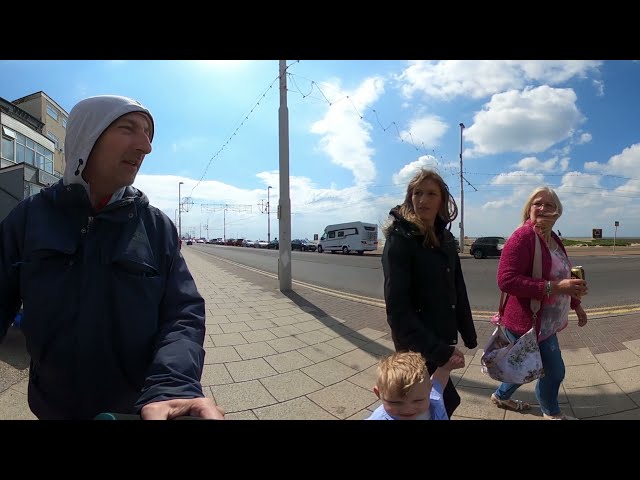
pixel 345 237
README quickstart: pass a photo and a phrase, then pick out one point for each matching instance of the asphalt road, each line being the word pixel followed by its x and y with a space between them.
pixel 613 280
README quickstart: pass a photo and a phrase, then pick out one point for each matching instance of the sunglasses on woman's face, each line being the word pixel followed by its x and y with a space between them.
pixel 539 205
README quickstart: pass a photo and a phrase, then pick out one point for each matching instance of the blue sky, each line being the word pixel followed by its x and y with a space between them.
pixel 358 129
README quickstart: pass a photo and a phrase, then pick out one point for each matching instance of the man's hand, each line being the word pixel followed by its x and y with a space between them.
pixel 196 407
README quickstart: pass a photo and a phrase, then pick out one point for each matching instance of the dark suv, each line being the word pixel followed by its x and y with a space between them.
pixel 487 247
pixel 303 245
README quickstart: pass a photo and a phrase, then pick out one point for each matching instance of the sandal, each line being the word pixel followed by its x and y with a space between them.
pixel 514 405
pixel 560 416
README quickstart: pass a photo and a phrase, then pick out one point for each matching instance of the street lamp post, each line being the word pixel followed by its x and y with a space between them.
pixel 284 198
pixel 461 196
pixel 179 211
pixel 268 215
pixel 224 225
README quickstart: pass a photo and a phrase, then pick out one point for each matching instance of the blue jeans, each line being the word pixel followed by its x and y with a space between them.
pixel 548 386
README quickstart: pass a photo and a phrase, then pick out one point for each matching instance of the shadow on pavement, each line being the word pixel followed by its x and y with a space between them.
pixel 13 349
pixel 371 345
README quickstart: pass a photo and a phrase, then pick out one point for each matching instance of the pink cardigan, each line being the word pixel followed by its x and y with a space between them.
pixel 514 278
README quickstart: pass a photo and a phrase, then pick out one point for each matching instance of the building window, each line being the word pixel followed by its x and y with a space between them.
pixel 20 149
pixel 8 149
pixel 54 139
pixel 52 112
pixel 44 159
pixel 31 189
pixel 8 132
pixel 64 122
pixel 25 150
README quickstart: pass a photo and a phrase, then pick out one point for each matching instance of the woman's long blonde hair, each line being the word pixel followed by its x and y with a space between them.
pixel 448 209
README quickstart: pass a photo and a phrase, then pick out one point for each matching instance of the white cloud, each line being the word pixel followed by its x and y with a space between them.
pixel 584 138
pixel 626 163
pixel 522 183
pixel 345 136
pixel 518 177
pixel 599 84
pixel 481 78
pixel 497 204
pixel 582 192
pixel 618 203
pixel 555 71
pixel 530 121
pixel 407 172
pixel 426 131
pixel 312 208
pixel 535 165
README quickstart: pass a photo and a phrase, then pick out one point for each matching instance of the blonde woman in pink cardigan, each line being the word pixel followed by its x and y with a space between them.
pixel 556 290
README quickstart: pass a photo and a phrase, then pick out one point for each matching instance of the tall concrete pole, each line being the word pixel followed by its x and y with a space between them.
pixel 461 196
pixel 268 215
pixel 179 211
pixel 284 203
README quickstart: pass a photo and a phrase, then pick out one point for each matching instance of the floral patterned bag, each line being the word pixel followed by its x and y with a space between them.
pixel 515 362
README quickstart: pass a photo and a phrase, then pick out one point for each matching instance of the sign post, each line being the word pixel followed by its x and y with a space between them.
pixel 616 224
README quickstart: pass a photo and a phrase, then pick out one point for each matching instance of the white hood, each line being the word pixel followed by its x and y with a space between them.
pixel 87 120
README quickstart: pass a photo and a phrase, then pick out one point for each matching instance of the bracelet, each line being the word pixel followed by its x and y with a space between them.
pixel 548 288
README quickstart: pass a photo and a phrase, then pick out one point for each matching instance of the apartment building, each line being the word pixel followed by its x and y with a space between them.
pixel 26 156
pixel 54 117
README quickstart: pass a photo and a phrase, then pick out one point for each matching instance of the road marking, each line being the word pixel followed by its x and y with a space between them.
pixel 594 312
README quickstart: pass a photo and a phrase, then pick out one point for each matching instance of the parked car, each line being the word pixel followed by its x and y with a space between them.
pixel 303 245
pixel 189 242
pixel 274 244
pixel 484 247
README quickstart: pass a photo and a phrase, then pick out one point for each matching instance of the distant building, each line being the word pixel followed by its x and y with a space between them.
pixel 54 117
pixel 27 155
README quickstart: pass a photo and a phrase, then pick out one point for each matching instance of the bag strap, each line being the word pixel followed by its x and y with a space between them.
pixel 503 303
pixel 536 273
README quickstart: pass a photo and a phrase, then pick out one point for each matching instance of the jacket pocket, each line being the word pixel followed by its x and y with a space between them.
pixel 136 284
pixel 136 292
pixel 135 268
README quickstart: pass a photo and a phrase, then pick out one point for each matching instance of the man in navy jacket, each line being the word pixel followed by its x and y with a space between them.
pixel 112 318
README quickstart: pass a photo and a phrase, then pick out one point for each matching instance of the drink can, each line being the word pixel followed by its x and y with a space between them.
pixel 578 272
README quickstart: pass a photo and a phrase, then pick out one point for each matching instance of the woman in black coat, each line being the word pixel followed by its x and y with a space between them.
pixel 424 290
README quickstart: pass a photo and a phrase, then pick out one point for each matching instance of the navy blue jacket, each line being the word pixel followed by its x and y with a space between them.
pixel 112 317
pixel 425 293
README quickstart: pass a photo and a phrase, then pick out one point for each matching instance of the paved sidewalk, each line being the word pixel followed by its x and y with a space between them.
pixel 309 355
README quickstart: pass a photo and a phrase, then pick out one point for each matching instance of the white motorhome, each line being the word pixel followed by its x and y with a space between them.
pixel 346 237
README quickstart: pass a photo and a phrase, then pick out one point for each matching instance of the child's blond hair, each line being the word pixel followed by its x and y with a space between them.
pixel 400 371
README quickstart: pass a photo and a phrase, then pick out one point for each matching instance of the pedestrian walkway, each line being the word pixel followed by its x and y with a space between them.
pixel 309 355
